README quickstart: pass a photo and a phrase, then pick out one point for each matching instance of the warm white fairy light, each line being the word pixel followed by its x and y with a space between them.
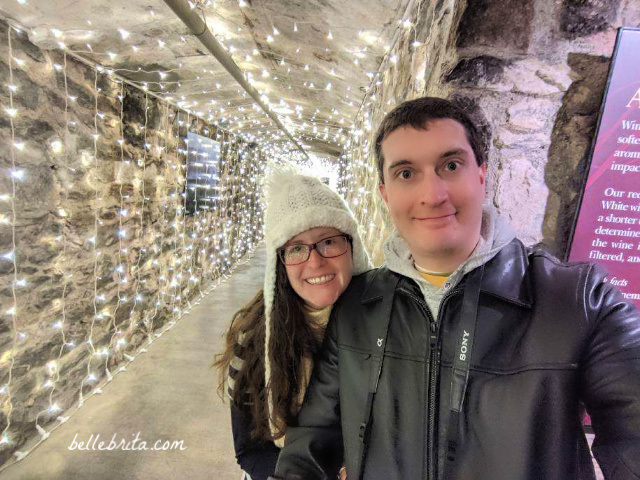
pixel 197 216
pixel 120 270
pixel 11 256
pixel 56 146
pixel 159 237
pixel 17 174
pixel 180 231
pixel 143 162
pixel 94 239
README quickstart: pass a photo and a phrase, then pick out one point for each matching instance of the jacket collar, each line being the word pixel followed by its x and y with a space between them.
pixel 379 284
pixel 505 277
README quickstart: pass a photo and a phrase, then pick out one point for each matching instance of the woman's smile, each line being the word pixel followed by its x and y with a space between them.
pixel 320 280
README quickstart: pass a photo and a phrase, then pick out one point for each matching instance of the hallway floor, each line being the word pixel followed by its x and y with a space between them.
pixel 168 393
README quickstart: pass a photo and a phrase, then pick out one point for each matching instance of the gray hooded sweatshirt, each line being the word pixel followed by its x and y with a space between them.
pixel 495 233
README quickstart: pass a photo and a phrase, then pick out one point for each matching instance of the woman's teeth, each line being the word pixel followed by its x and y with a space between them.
pixel 320 280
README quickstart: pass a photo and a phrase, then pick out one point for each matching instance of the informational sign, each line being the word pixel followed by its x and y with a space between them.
pixel 607 228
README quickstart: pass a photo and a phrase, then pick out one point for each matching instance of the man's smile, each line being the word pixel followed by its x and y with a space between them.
pixel 436 217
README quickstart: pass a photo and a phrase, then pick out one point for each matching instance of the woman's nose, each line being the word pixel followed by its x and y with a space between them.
pixel 315 258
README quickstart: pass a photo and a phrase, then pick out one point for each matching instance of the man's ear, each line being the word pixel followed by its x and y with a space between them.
pixel 483 173
pixel 383 192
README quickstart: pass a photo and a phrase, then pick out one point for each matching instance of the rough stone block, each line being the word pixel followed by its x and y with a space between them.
pixel 579 18
pixel 531 114
pixel 523 77
pixel 504 24
pixel 476 71
pixel 522 196
pixel 507 139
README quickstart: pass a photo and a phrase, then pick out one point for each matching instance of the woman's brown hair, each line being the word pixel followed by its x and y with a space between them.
pixel 292 339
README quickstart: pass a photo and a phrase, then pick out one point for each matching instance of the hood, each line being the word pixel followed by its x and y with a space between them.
pixel 495 233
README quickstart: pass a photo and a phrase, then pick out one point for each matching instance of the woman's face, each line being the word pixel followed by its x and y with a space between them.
pixel 320 281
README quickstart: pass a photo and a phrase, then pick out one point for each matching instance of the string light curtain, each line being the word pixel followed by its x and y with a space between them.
pixel 98 253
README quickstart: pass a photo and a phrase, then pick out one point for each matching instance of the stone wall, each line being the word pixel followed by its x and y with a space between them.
pixel 99 256
pixel 537 70
pixel 532 72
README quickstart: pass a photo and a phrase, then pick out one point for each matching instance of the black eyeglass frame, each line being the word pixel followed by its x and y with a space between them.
pixel 314 246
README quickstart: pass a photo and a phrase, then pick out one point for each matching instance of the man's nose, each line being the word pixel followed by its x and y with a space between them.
pixel 433 190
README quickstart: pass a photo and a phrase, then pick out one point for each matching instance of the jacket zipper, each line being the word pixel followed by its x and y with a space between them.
pixel 434 353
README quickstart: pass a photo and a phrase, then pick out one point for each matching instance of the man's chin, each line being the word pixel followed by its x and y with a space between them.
pixel 435 250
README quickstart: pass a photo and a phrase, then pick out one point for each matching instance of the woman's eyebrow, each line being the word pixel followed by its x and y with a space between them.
pixel 320 239
pixel 323 237
pixel 329 235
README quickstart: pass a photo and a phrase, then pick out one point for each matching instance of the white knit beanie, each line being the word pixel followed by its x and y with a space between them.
pixel 295 203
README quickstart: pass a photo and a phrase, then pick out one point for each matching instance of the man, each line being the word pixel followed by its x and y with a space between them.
pixel 468 355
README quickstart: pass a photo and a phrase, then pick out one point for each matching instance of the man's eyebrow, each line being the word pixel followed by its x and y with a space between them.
pixel 398 164
pixel 449 153
pixel 453 153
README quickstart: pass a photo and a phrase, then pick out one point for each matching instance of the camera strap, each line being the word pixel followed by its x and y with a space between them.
pixel 377 357
pixel 461 364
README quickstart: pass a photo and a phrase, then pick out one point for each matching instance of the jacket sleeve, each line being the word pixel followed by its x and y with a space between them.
pixel 313 448
pixel 611 377
pixel 256 457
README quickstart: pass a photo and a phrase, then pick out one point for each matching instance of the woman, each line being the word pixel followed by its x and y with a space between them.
pixel 313 249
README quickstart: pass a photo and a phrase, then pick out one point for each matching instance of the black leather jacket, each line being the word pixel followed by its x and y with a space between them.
pixel 548 336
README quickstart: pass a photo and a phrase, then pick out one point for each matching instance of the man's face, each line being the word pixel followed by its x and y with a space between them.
pixel 434 190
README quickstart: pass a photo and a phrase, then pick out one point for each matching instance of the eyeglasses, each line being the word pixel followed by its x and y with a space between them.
pixel 328 248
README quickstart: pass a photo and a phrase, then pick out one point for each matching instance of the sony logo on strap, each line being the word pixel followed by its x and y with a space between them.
pixel 463 347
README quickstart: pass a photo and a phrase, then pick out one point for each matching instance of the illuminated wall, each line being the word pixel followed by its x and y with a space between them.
pixel 97 254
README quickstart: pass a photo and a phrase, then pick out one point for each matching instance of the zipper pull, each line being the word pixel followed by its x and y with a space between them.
pixel 432 337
